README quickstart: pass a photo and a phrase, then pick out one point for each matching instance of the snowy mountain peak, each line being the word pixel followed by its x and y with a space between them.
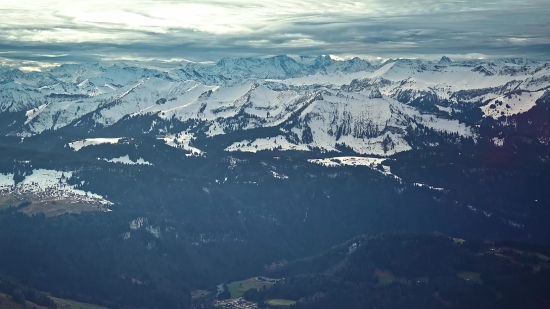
pixel 325 61
pixel 445 60
pixel 375 94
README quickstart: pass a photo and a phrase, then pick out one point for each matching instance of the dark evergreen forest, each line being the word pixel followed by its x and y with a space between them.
pixel 417 271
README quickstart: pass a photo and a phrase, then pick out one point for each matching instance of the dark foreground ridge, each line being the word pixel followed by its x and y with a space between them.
pixel 387 271
pixel 417 271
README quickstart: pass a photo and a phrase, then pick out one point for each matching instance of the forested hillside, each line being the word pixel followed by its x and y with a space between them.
pixel 417 271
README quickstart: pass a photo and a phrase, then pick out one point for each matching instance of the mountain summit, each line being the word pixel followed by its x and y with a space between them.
pixel 445 60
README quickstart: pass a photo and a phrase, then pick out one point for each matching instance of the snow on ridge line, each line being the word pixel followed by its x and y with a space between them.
pixel 350 161
pixel 373 163
pixel 76 146
pixel 126 160
pixel 269 143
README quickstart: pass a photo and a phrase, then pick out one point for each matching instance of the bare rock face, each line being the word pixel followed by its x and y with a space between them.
pixel 445 60
pixel 375 94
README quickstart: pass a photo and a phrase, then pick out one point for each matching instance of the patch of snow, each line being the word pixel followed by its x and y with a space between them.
pixel 350 161
pixel 268 143
pixel 6 181
pixel 326 162
pixel 444 109
pixel 511 104
pixel 373 163
pixel 31 114
pixel 76 146
pixel 515 224
pixel 498 141
pixel 126 160
pixel 182 140
pixel 137 223
pixel 279 175
pixel 307 213
pixel 155 231
pixel 352 248
pixel 416 184
pixel 233 162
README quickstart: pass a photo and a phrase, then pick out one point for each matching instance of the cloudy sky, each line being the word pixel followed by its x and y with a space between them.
pixel 36 33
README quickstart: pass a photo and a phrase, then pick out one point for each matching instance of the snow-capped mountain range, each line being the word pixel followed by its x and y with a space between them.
pixel 280 148
pixel 311 102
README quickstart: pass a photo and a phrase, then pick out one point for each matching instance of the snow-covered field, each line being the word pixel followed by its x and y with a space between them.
pixel 6 181
pixel 50 185
pixel 508 105
pixel 92 142
pixel 373 163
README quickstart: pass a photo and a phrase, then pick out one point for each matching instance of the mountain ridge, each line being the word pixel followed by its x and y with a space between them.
pixel 251 93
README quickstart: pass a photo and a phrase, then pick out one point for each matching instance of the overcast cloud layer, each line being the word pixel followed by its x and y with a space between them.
pixel 39 33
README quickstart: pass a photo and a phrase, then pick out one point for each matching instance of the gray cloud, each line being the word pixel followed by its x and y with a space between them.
pixel 34 33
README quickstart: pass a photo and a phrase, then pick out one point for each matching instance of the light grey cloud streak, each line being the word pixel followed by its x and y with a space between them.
pixel 34 33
